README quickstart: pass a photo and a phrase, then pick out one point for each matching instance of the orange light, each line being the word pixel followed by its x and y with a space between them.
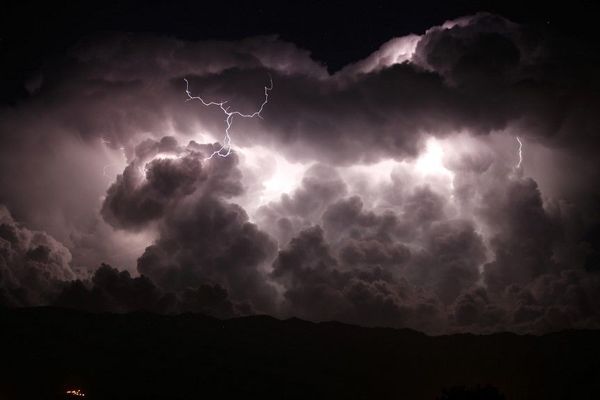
pixel 76 392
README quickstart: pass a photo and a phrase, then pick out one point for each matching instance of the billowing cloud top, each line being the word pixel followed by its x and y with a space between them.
pixel 393 192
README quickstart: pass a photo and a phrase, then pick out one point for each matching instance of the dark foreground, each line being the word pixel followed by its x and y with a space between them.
pixel 45 352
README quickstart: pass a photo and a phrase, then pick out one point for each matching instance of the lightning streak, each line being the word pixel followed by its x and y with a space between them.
pixel 520 153
pixel 225 148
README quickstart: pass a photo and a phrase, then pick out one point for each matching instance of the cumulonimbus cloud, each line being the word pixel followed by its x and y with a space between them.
pixel 409 211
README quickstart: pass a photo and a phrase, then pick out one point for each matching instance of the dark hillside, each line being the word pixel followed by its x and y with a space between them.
pixel 45 352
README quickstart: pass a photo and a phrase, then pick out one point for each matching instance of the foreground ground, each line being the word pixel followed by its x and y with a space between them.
pixel 46 352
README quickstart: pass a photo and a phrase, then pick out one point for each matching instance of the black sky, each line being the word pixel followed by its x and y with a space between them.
pixel 336 32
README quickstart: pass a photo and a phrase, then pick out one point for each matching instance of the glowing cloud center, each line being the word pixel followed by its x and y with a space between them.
pixel 431 162
pixel 276 174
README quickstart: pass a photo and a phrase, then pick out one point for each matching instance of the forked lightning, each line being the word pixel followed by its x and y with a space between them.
pixel 225 148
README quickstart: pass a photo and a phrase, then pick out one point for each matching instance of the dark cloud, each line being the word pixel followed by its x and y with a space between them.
pixel 523 244
pixel 202 240
pixel 319 287
pixel 32 263
pixel 450 260
pixel 210 241
pixel 485 51
pixel 149 186
pixel 475 311
pixel 111 290
pixel 529 78
pixel 130 204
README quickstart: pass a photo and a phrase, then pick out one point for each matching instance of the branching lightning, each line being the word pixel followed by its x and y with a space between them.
pixel 518 166
pixel 225 148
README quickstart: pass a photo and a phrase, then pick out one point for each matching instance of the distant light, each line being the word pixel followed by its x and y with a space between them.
pixel 76 392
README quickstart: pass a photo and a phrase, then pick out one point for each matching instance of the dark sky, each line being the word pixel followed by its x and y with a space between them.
pixel 335 32
pixel 423 165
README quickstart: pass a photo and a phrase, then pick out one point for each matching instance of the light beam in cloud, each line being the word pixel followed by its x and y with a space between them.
pixel 225 148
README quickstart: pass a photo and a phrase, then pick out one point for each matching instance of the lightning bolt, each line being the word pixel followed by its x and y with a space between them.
pixel 518 166
pixel 225 148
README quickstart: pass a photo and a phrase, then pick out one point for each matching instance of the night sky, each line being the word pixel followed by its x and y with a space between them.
pixel 410 165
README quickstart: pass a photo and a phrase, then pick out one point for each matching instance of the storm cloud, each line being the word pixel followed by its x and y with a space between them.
pixel 391 193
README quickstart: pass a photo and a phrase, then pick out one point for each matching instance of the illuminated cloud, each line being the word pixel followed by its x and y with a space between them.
pixel 430 185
